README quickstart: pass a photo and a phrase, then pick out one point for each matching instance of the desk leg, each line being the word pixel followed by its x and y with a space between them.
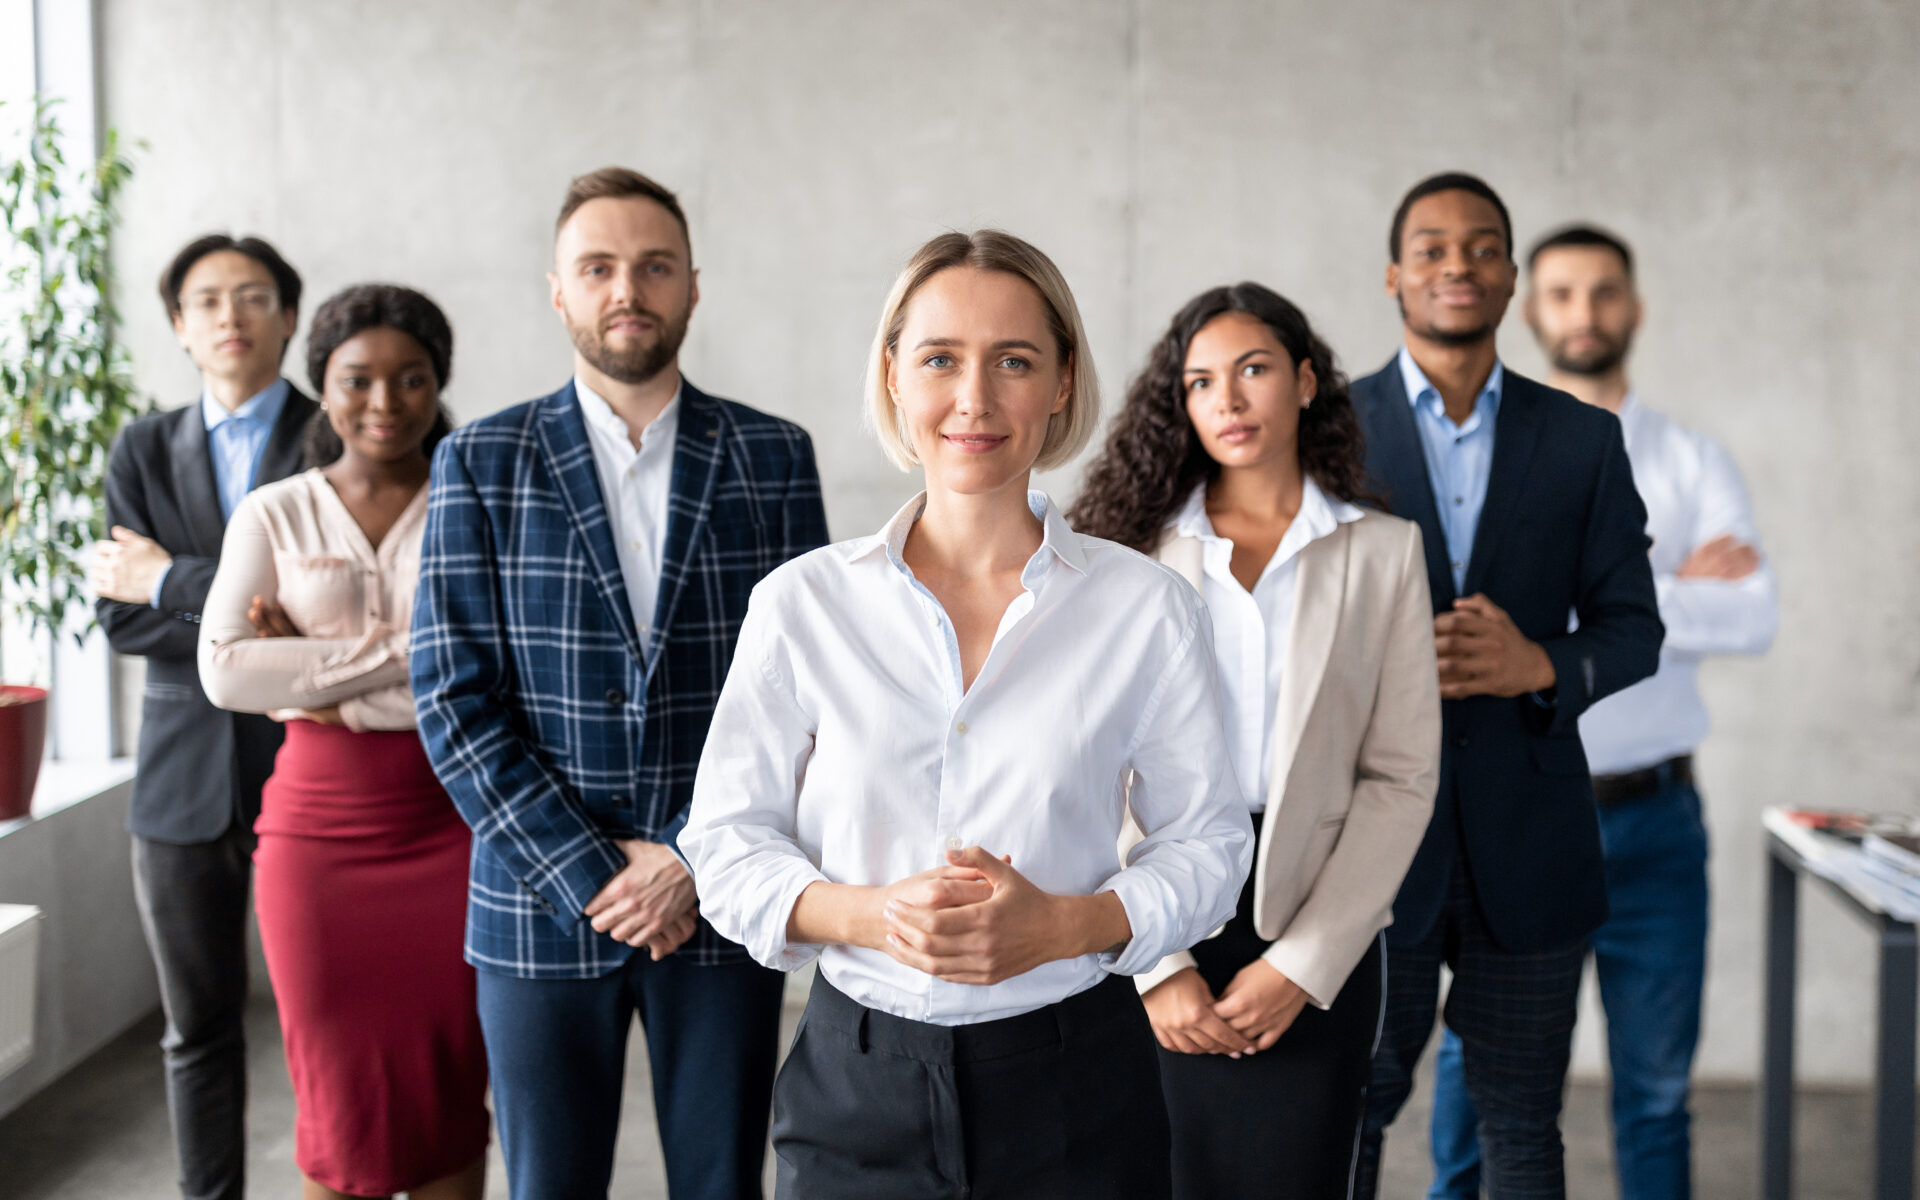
pixel 1776 1069
pixel 1893 1081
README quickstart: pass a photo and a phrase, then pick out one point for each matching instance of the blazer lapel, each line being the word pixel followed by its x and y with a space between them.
pixel 1322 568
pixel 194 484
pixel 285 443
pixel 1402 470
pixel 563 437
pixel 697 454
pixel 1514 433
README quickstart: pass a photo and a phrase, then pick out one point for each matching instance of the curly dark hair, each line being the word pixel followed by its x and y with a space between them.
pixel 371 306
pixel 1153 458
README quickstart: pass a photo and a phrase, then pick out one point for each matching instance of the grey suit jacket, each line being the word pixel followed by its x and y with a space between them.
pixel 200 768
pixel 1356 751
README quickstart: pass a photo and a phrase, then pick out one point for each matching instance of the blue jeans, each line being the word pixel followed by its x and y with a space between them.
pixel 1651 957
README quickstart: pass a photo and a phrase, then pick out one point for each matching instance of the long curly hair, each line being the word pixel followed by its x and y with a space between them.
pixel 1153 458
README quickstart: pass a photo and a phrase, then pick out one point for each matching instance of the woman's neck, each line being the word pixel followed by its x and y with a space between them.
pixel 366 475
pixel 1269 491
pixel 975 534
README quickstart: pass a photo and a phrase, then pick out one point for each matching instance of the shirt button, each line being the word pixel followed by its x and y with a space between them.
pixel 1459 500
pixel 961 727
pixel 954 843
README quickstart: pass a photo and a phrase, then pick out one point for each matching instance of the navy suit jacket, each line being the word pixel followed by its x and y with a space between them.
pixel 1563 531
pixel 554 726
pixel 200 768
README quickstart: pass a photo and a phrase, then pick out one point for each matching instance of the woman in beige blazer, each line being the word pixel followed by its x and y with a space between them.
pixel 1237 462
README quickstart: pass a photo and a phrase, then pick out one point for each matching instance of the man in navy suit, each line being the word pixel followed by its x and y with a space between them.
pixel 587 562
pixel 1526 502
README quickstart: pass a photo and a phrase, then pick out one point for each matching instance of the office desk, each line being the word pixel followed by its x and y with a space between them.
pixel 1893 1102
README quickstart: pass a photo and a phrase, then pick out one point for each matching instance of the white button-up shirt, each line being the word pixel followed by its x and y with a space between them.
pixel 844 749
pixel 1694 494
pixel 635 485
pixel 1250 629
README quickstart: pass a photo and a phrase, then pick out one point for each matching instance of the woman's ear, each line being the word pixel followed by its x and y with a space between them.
pixel 1309 382
pixel 1066 388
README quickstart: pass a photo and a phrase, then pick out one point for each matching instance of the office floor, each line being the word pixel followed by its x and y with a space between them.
pixel 101 1134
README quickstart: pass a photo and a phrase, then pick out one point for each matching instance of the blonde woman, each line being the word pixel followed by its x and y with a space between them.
pixel 915 772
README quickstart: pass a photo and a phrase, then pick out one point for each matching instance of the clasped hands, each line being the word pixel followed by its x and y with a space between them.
pixel 972 920
pixel 1259 1004
pixel 650 903
pixel 1483 653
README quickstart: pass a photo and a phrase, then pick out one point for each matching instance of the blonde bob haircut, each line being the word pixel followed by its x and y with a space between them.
pixel 988 250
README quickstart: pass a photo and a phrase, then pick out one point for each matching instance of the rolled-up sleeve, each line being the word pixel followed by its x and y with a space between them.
pixel 740 835
pixel 1183 878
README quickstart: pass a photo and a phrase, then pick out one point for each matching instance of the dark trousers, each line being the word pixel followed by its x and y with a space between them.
pixel 1514 1014
pixel 557 1053
pixel 1055 1104
pixel 193 908
pixel 1285 1122
pixel 1651 959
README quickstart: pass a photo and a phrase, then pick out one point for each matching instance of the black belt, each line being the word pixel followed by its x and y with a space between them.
pixel 1638 785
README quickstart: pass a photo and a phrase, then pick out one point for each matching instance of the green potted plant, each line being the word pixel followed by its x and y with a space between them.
pixel 65 390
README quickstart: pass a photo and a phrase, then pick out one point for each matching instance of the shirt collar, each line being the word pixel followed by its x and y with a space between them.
pixel 263 406
pixel 1057 538
pixel 603 420
pixel 1319 514
pixel 1420 390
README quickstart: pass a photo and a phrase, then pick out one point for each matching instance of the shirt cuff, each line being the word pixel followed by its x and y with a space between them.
pixel 1144 949
pixel 159 581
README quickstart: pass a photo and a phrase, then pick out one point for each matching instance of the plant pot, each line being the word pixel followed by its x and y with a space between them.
pixel 23 740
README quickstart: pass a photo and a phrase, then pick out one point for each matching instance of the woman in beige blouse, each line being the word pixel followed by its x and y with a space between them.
pixel 361 868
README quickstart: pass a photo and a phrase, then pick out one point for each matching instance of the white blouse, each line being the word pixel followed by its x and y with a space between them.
pixel 1250 629
pixel 844 749
pixel 295 543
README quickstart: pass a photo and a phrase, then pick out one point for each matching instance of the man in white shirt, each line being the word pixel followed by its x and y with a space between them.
pixel 1717 596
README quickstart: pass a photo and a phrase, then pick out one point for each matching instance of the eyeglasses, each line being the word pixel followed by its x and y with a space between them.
pixel 254 301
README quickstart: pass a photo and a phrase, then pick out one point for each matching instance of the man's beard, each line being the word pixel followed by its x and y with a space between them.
pixel 1606 354
pixel 641 359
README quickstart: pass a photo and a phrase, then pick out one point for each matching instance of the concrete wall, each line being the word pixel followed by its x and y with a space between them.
pixel 1763 158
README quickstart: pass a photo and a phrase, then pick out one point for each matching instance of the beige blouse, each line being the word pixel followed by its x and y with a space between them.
pixel 294 542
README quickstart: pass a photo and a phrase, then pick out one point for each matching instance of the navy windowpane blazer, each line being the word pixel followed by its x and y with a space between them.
pixel 553 724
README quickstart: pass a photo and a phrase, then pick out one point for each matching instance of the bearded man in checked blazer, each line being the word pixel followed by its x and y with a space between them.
pixel 587 563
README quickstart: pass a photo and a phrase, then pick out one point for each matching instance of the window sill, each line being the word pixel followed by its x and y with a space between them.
pixel 65 784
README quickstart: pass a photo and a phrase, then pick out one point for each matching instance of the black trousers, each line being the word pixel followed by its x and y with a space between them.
pixel 1514 1014
pixel 1285 1122
pixel 1055 1104
pixel 193 909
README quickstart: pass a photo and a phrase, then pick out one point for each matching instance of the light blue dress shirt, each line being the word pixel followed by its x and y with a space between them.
pixel 236 442
pixel 1459 457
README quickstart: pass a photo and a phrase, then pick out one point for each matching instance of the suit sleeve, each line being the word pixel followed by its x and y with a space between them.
pixel 805 514
pixel 523 810
pixel 1394 782
pixel 170 630
pixel 1617 643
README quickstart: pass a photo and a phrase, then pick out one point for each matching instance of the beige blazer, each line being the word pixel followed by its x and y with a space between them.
pixel 1356 751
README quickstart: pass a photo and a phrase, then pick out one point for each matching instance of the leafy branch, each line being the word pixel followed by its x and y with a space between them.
pixel 65 383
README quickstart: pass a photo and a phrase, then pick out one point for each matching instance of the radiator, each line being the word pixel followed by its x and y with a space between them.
pixel 19 956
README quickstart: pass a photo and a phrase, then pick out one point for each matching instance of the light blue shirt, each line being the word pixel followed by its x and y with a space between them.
pixel 1459 457
pixel 236 442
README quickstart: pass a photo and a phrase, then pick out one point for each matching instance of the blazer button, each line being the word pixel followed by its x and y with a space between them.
pixel 1460 741
pixel 616 697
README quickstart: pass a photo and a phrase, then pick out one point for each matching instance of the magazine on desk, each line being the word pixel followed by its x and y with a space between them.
pixel 1842 847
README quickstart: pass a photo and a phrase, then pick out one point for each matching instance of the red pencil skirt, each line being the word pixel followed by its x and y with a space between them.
pixel 361 889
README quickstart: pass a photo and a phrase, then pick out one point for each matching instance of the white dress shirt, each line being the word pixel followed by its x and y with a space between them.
pixel 1250 629
pixel 636 485
pixel 844 749
pixel 1694 494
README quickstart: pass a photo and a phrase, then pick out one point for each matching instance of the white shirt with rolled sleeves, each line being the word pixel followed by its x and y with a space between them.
pixel 844 749
pixel 1694 494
